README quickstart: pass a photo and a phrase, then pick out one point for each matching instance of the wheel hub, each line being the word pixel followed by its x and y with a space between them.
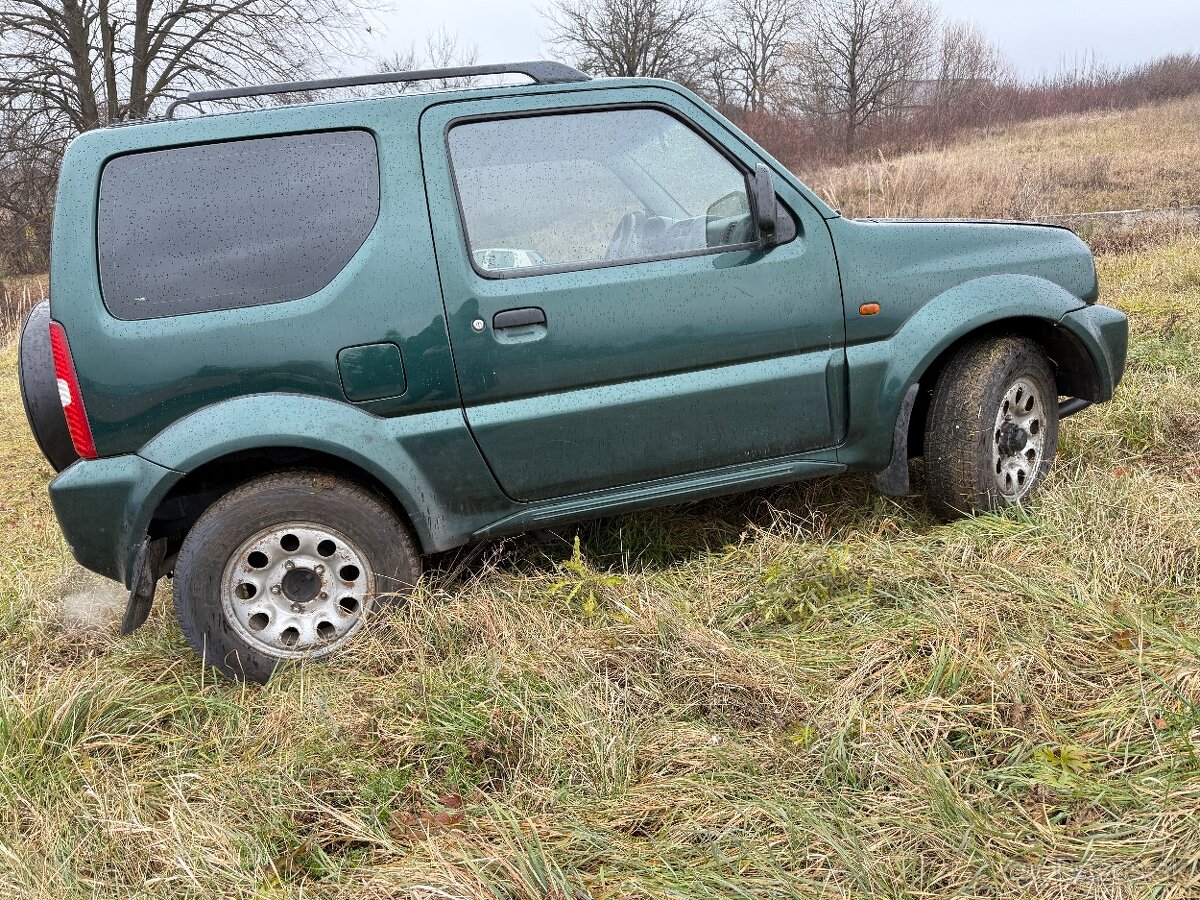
pixel 1013 439
pixel 297 590
pixel 1019 439
pixel 301 585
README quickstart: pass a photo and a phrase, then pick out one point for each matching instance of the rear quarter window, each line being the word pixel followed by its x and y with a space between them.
pixel 233 224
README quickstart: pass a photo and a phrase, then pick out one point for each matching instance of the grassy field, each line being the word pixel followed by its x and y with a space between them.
pixel 810 691
pixel 1145 158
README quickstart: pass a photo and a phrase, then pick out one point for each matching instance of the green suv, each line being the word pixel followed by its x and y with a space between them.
pixel 291 350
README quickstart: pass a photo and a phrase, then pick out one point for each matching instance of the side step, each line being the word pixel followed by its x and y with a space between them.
pixel 660 493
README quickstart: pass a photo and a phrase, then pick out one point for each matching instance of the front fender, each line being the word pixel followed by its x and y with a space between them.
pixel 427 460
pixel 882 371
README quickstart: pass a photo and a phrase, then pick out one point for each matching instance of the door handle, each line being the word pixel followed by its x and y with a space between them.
pixel 515 318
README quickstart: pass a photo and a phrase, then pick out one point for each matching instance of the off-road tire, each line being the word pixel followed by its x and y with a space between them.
pixel 961 445
pixel 384 542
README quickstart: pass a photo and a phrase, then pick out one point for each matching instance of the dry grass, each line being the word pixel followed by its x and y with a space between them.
pixel 1133 159
pixel 812 691
pixel 18 295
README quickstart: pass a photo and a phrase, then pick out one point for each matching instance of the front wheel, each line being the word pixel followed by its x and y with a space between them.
pixel 288 567
pixel 992 429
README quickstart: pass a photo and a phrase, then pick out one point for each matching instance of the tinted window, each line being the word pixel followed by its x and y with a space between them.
pixel 585 188
pixel 235 224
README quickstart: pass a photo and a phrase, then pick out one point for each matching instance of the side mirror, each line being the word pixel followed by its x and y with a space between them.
pixel 764 204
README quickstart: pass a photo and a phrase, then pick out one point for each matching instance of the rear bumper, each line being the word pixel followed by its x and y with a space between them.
pixel 104 507
pixel 1104 331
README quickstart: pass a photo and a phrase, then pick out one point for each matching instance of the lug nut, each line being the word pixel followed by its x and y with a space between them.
pixel 275 589
pixel 324 596
pixel 320 570
pixel 289 565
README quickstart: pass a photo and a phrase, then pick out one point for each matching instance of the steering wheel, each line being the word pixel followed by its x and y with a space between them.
pixel 627 235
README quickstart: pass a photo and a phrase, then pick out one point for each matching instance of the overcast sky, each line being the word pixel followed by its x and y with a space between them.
pixel 1035 34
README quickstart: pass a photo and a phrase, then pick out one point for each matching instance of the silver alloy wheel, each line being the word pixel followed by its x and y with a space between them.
pixel 297 590
pixel 1019 439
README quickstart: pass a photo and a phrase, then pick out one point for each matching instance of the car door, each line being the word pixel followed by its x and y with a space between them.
pixel 612 317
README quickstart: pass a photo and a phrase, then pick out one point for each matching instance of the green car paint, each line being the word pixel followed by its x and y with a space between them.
pixel 648 383
pixel 644 371
pixel 105 507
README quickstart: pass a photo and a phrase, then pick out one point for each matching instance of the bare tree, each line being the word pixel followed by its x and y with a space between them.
pixel 95 61
pixel 67 66
pixel 717 82
pixel 861 58
pixel 632 38
pixel 965 69
pixel 405 60
pixel 442 51
pixel 756 43
pixel 31 147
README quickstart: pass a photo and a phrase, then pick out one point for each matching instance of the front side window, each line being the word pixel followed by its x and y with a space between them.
pixel 588 188
pixel 233 224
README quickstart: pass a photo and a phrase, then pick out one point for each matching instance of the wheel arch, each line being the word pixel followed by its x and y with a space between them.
pixel 1076 372
pixel 203 485
pixel 426 464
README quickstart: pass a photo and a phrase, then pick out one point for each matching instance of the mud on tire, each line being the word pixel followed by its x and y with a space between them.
pixel 991 432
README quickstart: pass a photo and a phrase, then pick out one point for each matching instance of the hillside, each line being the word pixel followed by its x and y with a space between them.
pixel 1142 158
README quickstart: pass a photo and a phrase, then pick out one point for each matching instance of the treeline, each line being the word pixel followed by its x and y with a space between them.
pixel 67 66
pixel 807 144
pixel 842 66
pixel 820 81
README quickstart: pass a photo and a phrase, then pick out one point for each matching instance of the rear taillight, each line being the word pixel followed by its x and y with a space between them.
pixel 68 393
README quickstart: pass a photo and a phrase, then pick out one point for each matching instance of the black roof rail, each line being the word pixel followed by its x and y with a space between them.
pixel 540 72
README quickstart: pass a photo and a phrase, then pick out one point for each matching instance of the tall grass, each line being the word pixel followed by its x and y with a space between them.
pixel 1145 158
pixel 18 295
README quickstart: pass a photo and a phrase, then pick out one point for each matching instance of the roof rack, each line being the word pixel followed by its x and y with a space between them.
pixel 540 72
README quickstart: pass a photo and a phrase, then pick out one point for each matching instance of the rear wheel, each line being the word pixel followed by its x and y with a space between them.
pixel 289 567
pixel 992 429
